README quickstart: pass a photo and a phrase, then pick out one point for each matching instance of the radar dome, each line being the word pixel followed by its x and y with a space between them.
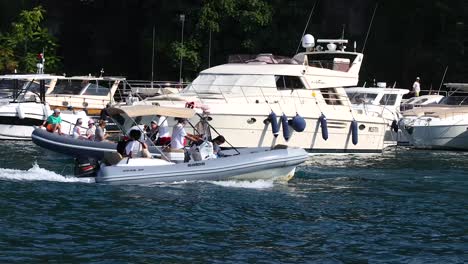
pixel 308 41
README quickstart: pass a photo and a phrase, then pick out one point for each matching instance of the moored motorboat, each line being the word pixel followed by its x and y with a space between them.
pixel 28 108
pixel 384 102
pixel 258 102
pixel 440 126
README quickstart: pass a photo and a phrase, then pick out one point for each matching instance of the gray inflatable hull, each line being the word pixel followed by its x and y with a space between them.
pixel 249 165
pixel 77 148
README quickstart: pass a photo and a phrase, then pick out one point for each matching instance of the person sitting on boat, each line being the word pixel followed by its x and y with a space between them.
pixel 100 134
pixel 54 122
pixel 164 138
pixel 91 130
pixel 217 141
pixel 179 135
pixel 134 147
pixel 77 130
pixel 138 128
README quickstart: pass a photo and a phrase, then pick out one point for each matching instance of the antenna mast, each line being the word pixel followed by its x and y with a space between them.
pixel 307 25
pixel 368 30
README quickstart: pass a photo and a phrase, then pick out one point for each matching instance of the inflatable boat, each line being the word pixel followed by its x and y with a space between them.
pixel 101 162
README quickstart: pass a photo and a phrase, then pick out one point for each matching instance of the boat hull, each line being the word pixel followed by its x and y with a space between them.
pixel 272 164
pixel 445 137
pixel 16 126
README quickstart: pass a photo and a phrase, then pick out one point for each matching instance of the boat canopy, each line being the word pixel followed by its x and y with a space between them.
pixel 151 110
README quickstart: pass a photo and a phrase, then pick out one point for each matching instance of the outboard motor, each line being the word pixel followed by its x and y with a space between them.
pixel 85 167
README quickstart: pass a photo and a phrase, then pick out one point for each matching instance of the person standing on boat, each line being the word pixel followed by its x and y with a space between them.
pixel 54 122
pixel 153 130
pixel 416 87
pixel 101 134
pixel 164 138
pixel 104 115
pixel 179 134
pixel 91 130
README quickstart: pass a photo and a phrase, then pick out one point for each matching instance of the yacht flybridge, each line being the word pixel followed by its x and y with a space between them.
pixel 253 101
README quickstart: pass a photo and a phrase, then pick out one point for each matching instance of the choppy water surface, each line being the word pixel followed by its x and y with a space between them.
pixel 399 207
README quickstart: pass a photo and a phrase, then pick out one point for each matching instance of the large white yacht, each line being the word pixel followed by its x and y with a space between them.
pixel 306 94
pixel 27 107
pixel 440 126
pixel 381 101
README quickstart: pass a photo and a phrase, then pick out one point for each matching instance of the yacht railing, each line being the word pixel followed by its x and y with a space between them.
pixel 269 94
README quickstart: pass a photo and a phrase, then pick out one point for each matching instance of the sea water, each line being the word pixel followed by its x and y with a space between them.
pixel 402 206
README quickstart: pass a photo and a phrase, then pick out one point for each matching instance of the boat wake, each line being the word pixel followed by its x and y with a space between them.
pixel 36 173
pixel 257 184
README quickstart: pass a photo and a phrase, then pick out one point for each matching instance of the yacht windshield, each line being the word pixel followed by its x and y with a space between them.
pixel 388 99
pixel 359 98
pixel 96 89
pixel 69 86
pixel 230 84
pixel 331 61
pixel 455 100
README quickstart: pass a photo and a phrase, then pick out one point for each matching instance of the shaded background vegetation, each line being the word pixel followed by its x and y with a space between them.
pixel 408 38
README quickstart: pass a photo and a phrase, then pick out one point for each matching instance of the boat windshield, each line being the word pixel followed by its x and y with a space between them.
pixel 455 100
pixel 67 86
pixel 331 61
pixel 359 98
pixel 97 89
pixel 236 84
pixel 388 99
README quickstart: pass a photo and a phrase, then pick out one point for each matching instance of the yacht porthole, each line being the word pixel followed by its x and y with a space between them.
pixel 209 118
pixel 362 127
pixel 251 120
pixel 65 103
pixel 85 104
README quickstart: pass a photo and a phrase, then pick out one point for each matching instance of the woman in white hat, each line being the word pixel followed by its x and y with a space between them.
pixel 91 131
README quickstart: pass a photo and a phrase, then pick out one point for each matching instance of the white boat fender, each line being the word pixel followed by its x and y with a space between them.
pixel 298 123
pixel 285 125
pixel 20 112
pixel 323 125
pixel 45 111
pixel 394 126
pixel 354 132
pixel 274 123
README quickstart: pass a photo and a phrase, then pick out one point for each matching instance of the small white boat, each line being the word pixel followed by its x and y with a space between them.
pixel 381 102
pixel 277 163
pixel 28 107
pixel 439 126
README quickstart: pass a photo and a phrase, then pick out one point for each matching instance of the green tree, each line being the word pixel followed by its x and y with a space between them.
pixel 27 38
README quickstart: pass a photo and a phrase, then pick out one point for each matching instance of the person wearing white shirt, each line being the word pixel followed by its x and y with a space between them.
pixel 77 131
pixel 135 147
pixel 179 135
pixel 416 87
pixel 164 137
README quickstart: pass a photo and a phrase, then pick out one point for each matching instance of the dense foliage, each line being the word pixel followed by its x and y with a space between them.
pixel 406 39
